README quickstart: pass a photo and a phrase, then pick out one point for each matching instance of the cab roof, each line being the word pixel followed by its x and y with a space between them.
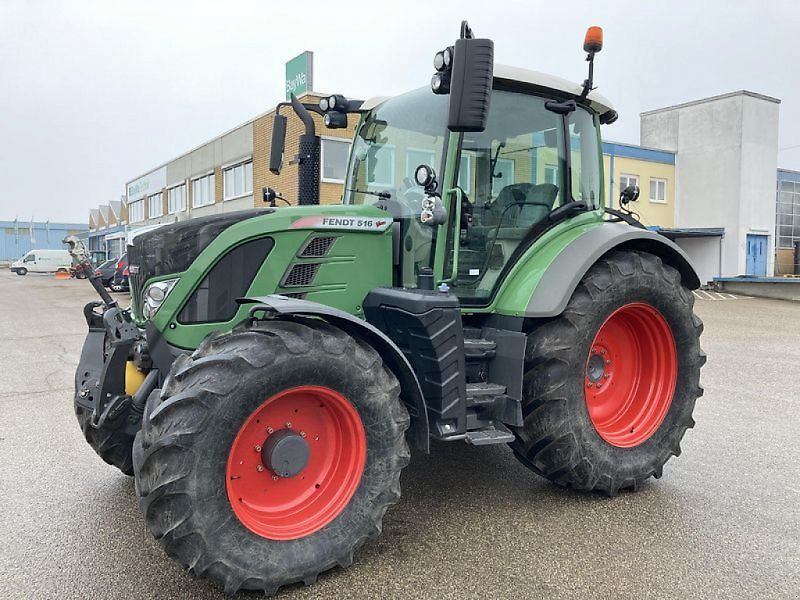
pixel 534 78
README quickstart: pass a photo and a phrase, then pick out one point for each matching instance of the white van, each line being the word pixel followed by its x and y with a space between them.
pixel 42 261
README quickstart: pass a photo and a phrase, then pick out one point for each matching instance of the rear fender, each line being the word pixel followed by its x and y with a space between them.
pixel 561 277
pixel 392 356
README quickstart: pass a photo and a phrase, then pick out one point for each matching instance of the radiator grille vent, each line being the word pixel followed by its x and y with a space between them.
pixel 295 295
pixel 300 275
pixel 318 247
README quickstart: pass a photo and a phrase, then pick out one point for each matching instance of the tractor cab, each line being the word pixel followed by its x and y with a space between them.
pixel 496 190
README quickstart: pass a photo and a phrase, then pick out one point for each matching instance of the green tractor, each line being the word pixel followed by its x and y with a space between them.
pixel 276 365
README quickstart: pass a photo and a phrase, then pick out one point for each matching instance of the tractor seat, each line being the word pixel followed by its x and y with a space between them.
pixel 521 205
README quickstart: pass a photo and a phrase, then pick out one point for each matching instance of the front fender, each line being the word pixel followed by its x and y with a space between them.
pixel 555 288
pixel 392 356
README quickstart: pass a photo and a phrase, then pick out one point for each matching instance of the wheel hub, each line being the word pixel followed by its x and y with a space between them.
pixel 285 453
pixel 595 367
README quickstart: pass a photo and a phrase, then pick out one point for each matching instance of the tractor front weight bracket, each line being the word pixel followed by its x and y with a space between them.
pixel 100 377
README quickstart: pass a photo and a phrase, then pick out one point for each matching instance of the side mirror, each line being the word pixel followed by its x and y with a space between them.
pixel 277 144
pixel 471 84
pixel 629 194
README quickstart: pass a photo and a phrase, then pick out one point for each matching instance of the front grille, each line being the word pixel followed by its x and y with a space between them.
pixel 318 247
pixel 300 275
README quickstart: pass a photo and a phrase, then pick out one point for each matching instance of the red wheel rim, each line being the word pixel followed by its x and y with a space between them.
pixel 287 508
pixel 630 375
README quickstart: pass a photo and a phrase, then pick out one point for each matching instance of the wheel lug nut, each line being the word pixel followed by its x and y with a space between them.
pixel 302 434
pixel 270 430
pixel 275 478
pixel 606 375
pixel 288 424
pixel 590 384
pixel 259 468
pixel 258 448
pixel 608 361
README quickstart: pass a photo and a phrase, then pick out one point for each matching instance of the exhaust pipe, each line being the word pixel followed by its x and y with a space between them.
pixel 308 158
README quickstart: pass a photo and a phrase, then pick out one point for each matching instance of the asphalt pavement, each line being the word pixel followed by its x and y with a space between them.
pixel 724 521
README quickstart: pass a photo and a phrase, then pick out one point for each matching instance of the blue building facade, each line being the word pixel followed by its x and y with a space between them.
pixel 19 237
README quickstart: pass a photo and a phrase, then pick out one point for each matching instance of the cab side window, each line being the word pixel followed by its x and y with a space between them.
pixel 513 175
pixel 30 258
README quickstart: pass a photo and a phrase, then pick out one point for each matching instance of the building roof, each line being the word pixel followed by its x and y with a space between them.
pixel 684 232
pixel 712 99
pixel 788 175
pixel 116 208
pixel 638 152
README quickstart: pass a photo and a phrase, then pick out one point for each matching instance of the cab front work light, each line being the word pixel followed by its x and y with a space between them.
pixel 154 296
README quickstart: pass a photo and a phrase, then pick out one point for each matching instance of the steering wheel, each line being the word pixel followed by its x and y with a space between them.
pixel 412 195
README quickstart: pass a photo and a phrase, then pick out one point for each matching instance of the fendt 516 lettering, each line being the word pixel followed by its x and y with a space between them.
pixel 276 365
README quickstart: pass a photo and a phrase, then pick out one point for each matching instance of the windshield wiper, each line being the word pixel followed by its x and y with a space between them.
pixel 384 195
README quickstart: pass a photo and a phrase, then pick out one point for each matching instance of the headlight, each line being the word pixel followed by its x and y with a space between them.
pixel 154 296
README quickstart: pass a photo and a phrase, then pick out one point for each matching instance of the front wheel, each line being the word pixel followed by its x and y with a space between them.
pixel 611 384
pixel 271 454
pixel 22 271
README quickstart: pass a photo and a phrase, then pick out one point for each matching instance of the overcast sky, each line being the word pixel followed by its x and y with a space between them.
pixel 95 93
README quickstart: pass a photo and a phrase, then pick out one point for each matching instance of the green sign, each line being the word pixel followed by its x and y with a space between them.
pixel 300 74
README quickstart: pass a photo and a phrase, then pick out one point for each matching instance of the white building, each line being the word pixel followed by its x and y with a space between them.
pixel 726 150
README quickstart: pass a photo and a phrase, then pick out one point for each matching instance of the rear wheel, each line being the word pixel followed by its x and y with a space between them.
pixel 611 384
pixel 271 454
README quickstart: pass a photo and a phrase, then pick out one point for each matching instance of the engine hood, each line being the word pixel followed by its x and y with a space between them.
pixel 172 248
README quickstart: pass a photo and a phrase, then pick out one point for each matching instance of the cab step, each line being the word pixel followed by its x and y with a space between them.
pixel 479 348
pixel 496 434
pixel 483 394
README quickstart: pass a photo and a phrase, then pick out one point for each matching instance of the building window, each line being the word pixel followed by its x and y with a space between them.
pixel 658 190
pixel 203 191
pixel 334 159
pixel 238 180
pixel 155 208
pixel 176 198
pixel 550 174
pixel 503 174
pixel 788 214
pixel 628 180
pixel 136 211
pixel 380 165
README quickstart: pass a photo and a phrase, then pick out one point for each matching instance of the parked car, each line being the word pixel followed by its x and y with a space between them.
pixel 120 281
pixel 106 272
pixel 42 261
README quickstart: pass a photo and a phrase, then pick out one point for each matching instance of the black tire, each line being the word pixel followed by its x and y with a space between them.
pixel 113 442
pixel 22 271
pixel 181 452
pixel 558 439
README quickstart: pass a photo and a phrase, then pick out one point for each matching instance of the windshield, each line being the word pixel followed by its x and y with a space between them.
pixel 390 143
